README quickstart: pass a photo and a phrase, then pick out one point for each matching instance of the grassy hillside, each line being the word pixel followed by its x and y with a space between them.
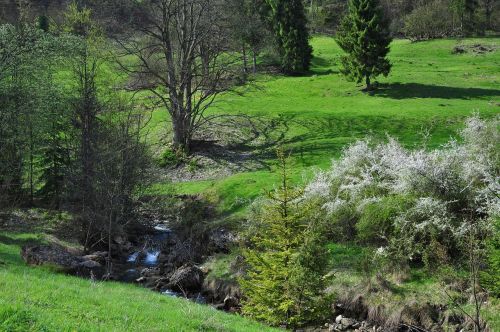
pixel 39 299
pixel 430 91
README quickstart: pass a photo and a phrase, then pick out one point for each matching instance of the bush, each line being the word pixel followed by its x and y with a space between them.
pixel 169 158
pixel 376 223
pixel 422 203
pixel 429 22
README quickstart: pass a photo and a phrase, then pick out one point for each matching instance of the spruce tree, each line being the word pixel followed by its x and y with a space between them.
pixel 54 162
pixel 286 259
pixel 364 36
pixel 290 26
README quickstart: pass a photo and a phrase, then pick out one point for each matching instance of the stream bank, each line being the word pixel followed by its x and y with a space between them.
pixel 158 259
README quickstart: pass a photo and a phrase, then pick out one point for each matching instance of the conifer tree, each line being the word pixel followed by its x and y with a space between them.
pixel 286 259
pixel 54 161
pixel 364 36
pixel 290 25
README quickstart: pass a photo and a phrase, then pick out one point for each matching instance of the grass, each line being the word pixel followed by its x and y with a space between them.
pixel 429 91
pixel 40 299
pixel 315 116
pixel 419 286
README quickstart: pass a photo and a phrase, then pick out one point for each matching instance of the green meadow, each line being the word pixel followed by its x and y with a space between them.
pixel 422 103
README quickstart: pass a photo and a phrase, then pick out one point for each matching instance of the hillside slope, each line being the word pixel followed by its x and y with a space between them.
pixel 39 299
pixel 425 99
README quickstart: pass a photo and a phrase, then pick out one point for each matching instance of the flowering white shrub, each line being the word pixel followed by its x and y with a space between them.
pixel 448 188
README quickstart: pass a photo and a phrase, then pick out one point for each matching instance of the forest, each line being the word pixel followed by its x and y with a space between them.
pixel 250 165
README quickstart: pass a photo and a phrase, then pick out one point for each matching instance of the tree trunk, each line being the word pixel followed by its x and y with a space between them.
pixel 254 61
pixel 245 62
pixel 181 132
pixel 368 84
pixel 32 147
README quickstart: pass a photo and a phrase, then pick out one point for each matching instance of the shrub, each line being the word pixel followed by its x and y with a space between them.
pixel 429 21
pixel 442 192
pixel 376 223
pixel 169 158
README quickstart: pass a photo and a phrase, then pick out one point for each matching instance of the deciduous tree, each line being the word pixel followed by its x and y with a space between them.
pixel 181 53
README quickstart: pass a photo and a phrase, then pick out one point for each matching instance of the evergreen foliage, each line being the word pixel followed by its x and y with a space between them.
pixel 287 259
pixel 290 25
pixel 364 35
pixel 55 158
pixel 253 36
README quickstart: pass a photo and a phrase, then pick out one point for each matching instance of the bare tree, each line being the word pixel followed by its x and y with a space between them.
pixel 181 57
pixel 474 248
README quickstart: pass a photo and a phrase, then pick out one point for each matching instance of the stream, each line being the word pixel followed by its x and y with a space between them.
pixel 146 257
pixel 152 247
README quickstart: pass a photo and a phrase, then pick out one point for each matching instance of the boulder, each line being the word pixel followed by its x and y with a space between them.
pixel 129 275
pixel 90 269
pixel 90 265
pixel 86 266
pixel 50 254
pixel 99 256
pixel 333 328
pixel 231 303
pixel 187 278
pixel 221 240
pixel 141 280
pixel 347 322
pixel 150 272
pixel 217 290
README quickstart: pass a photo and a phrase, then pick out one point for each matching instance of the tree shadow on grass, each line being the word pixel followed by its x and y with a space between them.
pixel 4 239
pixel 321 66
pixel 417 90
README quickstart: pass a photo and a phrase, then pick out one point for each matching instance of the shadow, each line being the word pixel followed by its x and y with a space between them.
pixel 319 62
pixel 242 142
pixel 9 258
pixel 19 242
pixel 320 72
pixel 417 90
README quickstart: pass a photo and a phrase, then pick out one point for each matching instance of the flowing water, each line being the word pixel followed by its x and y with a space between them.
pixel 133 258
pixel 148 257
pixel 152 258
